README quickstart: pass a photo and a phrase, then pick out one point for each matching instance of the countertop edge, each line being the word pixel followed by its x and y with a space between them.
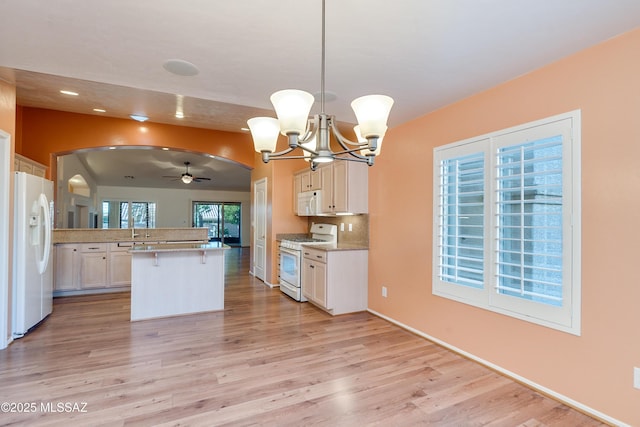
pixel 176 247
pixel 338 247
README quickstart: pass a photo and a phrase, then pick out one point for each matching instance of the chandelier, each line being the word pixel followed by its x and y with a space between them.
pixel 312 135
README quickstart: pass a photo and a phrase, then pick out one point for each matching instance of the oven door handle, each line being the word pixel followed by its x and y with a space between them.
pixel 290 251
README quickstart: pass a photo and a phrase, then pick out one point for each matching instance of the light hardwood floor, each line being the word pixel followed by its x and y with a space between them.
pixel 264 360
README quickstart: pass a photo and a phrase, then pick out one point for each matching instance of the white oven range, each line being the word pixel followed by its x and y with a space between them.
pixel 291 257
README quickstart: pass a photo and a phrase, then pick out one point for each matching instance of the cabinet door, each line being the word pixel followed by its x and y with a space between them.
pixel 314 281
pixel 320 284
pixel 120 268
pixel 308 279
pixel 305 180
pixel 297 188
pixel 340 187
pixel 26 167
pixel 66 268
pixel 38 171
pixel 315 180
pixel 326 173
pixel 93 270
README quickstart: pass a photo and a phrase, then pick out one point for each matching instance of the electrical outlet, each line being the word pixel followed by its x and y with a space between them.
pixel 350 227
pixel 636 377
pixel 384 294
pixel 342 226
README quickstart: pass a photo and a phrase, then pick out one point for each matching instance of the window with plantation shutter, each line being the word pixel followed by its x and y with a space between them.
pixel 507 222
pixel 461 218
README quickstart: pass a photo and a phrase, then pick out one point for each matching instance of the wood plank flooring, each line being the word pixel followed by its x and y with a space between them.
pixel 263 361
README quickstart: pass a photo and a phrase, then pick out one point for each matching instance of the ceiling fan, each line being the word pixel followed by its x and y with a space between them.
pixel 186 177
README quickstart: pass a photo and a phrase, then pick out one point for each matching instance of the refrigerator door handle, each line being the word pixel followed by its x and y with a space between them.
pixel 43 205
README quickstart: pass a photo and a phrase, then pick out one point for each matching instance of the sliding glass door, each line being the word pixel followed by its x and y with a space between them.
pixel 221 218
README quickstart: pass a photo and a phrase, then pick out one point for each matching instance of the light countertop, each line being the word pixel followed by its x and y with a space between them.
pixel 340 247
pixel 178 247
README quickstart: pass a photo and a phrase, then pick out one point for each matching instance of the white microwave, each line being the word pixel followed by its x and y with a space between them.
pixel 309 203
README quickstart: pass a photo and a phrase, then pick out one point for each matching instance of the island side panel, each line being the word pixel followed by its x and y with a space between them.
pixel 179 284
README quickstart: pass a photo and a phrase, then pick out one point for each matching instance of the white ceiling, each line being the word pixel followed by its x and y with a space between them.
pixel 423 53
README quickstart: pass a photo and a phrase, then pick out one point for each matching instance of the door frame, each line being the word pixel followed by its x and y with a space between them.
pixel 256 217
pixel 5 214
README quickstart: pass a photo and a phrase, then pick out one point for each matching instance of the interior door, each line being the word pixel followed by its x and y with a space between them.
pixel 260 229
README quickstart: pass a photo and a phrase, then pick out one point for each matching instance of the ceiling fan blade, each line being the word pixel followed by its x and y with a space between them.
pixel 198 179
pixel 170 176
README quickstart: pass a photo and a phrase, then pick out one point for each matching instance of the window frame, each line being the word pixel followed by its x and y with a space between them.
pixel 567 317
pixel 116 218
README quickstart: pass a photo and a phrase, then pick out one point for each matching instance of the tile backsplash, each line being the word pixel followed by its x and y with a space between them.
pixel 359 226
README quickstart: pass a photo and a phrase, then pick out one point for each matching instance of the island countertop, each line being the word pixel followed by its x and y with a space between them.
pixel 178 247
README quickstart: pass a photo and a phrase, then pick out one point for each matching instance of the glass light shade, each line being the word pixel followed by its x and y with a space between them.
pixel 366 151
pixel 292 107
pixel 264 131
pixel 310 145
pixel 187 179
pixel 372 112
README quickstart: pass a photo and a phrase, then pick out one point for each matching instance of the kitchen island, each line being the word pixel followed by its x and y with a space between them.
pixel 172 279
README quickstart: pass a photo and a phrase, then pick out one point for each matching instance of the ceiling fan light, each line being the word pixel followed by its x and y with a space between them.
pixel 264 131
pixel 186 178
pixel 292 107
pixel 372 112
pixel 366 151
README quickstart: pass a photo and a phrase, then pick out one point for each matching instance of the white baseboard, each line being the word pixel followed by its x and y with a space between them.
pixel 271 285
pixel 544 390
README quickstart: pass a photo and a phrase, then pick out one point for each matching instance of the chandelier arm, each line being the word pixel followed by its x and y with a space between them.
pixel 358 159
pixel 344 141
pixel 312 129
pixel 288 158
pixel 281 153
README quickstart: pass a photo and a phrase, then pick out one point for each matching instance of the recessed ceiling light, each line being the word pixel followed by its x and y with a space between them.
pixel 112 148
pixel 139 117
pixel 328 96
pixel 180 67
pixel 165 149
pixel 99 110
pixel 179 115
pixel 245 129
pixel 68 92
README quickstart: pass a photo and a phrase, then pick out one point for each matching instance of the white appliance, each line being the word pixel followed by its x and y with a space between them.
pixel 32 250
pixel 291 257
pixel 309 203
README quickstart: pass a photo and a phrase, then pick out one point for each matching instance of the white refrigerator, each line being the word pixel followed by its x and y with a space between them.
pixel 32 252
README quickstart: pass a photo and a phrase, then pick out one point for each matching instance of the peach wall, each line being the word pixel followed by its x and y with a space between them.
pixel 594 369
pixel 47 131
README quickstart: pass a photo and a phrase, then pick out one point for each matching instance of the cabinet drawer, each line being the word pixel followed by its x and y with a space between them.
pixel 315 254
pixel 93 247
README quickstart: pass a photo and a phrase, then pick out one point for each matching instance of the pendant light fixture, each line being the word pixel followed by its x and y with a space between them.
pixel 312 135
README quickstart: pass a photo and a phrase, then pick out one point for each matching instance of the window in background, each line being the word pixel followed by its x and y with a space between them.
pixel 128 214
pixel 221 218
pixel 507 222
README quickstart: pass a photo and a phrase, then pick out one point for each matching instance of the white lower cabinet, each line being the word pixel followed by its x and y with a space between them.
pixel 119 265
pixel 66 267
pixel 335 281
pixel 91 266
